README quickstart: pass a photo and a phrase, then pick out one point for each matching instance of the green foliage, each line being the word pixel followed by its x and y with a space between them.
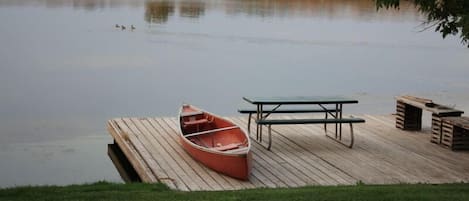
pixel 138 191
pixel 449 17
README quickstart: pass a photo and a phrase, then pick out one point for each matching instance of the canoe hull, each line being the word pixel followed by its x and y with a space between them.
pixel 216 150
pixel 236 166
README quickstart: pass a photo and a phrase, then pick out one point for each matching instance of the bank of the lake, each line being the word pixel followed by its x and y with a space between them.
pixel 139 191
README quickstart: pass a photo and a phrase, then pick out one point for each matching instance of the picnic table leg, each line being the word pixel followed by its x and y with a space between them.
pixel 340 125
pixel 260 127
pixel 336 116
pixel 351 136
pixel 352 139
pixel 249 123
pixel 325 125
pixel 270 137
pixel 257 125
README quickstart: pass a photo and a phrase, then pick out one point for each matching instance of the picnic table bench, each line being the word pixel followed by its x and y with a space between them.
pixel 252 110
pixel 322 102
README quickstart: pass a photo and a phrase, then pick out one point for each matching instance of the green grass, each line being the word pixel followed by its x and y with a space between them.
pixel 137 191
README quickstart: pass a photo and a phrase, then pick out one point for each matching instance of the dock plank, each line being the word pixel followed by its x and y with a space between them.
pixel 140 166
pixel 191 179
pixel 353 161
pixel 390 156
pixel 407 163
pixel 316 164
pixel 147 150
pixel 291 154
pixel 441 163
pixel 170 124
pixel 193 166
pixel 171 137
pixel 301 155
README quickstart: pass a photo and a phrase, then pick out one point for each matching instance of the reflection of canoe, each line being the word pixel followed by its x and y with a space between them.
pixel 216 142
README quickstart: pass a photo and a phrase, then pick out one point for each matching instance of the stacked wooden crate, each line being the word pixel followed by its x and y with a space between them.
pixel 436 129
pixel 408 117
pixel 440 129
pixel 437 125
pixel 448 127
pixel 455 133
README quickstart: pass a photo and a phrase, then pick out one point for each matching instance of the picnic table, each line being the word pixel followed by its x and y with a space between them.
pixel 330 106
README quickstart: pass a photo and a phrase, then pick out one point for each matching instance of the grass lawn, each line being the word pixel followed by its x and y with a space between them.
pixel 138 191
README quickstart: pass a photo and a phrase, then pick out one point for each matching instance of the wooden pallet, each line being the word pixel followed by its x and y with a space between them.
pixel 455 133
pixel 436 129
pixel 408 117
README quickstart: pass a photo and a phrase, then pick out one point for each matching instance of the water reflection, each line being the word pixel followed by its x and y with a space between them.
pixel 192 9
pixel 330 9
pixel 158 11
pixel 76 4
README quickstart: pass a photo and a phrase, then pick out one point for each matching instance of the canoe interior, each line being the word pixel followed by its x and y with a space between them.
pixel 196 121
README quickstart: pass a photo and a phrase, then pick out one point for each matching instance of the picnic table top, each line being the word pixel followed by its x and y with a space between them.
pixel 300 100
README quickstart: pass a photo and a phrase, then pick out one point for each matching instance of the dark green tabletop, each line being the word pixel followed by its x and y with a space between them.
pixel 300 100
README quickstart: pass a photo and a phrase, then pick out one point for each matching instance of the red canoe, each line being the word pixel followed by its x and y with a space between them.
pixel 216 142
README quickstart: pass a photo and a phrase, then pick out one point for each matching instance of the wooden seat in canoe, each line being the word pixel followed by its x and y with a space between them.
pixel 195 122
pixel 211 131
pixel 227 147
pixel 190 114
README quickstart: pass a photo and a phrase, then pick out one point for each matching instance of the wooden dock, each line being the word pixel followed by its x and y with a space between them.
pixel 301 155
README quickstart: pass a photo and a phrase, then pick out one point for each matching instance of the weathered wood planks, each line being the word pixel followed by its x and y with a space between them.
pixel 301 156
pixel 409 114
pixel 455 133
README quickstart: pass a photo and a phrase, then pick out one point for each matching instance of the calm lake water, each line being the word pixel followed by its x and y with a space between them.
pixel 65 68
